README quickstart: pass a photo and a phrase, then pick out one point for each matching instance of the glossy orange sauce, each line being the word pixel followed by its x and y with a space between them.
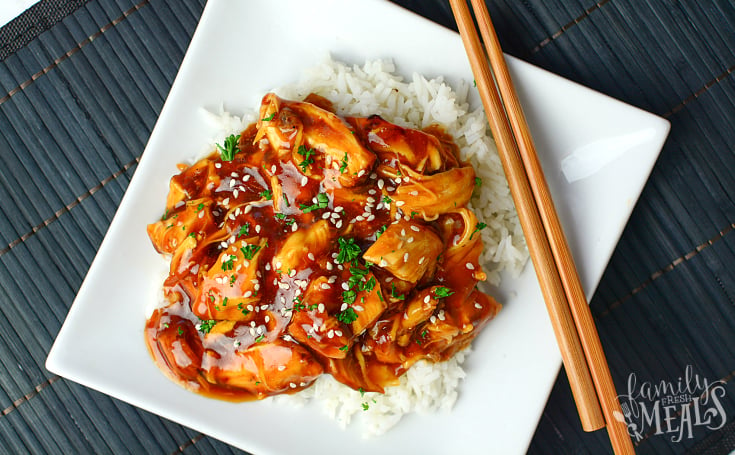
pixel 260 298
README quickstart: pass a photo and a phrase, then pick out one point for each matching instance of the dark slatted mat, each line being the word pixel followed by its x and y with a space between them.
pixel 81 86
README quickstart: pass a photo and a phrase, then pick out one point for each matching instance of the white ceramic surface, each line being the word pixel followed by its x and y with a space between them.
pixel 597 154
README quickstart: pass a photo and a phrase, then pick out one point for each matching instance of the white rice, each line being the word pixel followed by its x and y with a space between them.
pixel 376 88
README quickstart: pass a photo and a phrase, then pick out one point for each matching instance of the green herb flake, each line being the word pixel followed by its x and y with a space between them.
pixel 306 153
pixel 441 292
pixel 228 264
pixel 267 194
pixel 205 326
pixel 343 164
pixel 244 230
pixel 322 202
pixel 478 228
pixel 344 348
pixel 260 338
pixel 228 151
pixel 181 331
pixel 269 118
pixel 348 316
pixel 365 406
pixel 164 216
pixel 387 200
pixel 200 207
pixel 349 251
pixel 248 251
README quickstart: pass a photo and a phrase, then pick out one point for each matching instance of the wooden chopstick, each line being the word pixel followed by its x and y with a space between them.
pixel 579 343
pixel 577 301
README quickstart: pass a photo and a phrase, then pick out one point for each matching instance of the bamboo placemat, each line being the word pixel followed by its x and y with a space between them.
pixel 82 83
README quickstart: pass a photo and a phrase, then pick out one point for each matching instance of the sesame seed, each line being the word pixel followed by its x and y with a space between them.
pixel 470 266
pixel 338 333
pixel 294 227
pixel 339 224
pixel 235 192
pixel 246 178
pixel 371 191
pixel 414 193
pixel 311 256
pixel 361 173
pixel 226 201
pixel 415 228
pixel 325 286
pixel 273 169
pixel 405 257
pixel 250 308
pixel 252 331
pixel 293 386
pixel 218 165
pixel 405 179
pixel 398 180
pixel 264 307
pixel 380 184
pixel 232 183
pixel 403 232
pixel 423 258
pixel 432 319
pixel 292 273
pixel 259 329
pixel 281 367
pixel 201 214
pixel 332 278
pixel 370 218
pixel 320 308
pixel 329 264
pixel 237 211
pixel 343 307
pixel 383 263
pixel 400 203
pixel 373 176
pixel 247 209
pixel 345 286
pixel 338 208
pixel 359 218
pixel 257 228
pixel 410 239
pixel 284 286
pixel 330 334
pixel 427 299
pixel 304 180
pixel 278 264
pixel 389 279
pixel 390 189
pixel 325 215
pixel 370 199
pixel 247 294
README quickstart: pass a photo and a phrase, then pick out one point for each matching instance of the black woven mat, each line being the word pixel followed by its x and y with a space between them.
pixel 82 83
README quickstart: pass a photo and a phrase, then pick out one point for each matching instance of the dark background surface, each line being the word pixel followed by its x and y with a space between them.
pixel 82 83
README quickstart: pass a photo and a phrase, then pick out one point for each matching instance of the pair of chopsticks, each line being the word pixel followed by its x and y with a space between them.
pixel 576 334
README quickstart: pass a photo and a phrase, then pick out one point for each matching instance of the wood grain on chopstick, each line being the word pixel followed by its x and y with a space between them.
pixel 576 299
pixel 549 280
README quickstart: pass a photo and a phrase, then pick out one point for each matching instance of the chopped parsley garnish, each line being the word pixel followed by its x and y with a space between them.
pixel 280 216
pixel 344 348
pixel 349 297
pixel 380 231
pixel 267 194
pixel 200 207
pixel 164 216
pixel 348 316
pixel 478 182
pixel 260 338
pixel 192 235
pixel 322 201
pixel 232 280
pixel 306 153
pixel 206 326
pixel 441 292
pixel 478 228
pixel 285 201
pixel 181 331
pixel 343 164
pixel 249 251
pixel 270 117
pixel 224 301
pixel 365 406
pixel 244 230
pixel 393 292
pixel 349 251
pixel 228 263
pixel 387 200
pixel 230 148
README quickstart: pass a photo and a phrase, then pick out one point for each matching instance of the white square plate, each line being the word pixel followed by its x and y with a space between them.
pixel 597 154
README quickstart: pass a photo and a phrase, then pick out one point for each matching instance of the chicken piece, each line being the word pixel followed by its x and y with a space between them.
pixel 432 195
pixel 461 259
pixel 422 151
pixel 407 249
pixel 264 368
pixel 195 181
pixel 368 305
pixel 290 124
pixel 314 327
pixel 174 342
pixel 169 233
pixel 232 283
pixel 293 255
pixel 364 373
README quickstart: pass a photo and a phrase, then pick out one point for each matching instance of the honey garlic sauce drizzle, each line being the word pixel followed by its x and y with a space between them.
pixel 261 328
